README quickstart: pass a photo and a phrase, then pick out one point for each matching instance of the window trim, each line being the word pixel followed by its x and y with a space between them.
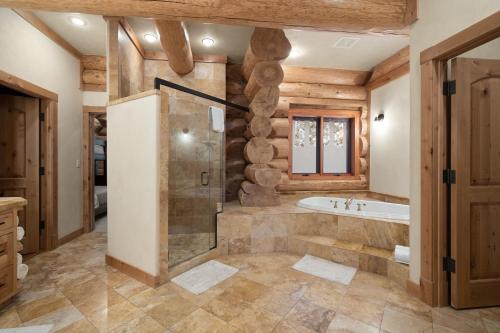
pixel 327 113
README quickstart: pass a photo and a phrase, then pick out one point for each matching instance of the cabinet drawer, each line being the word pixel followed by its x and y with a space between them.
pixel 6 221
pixel 7 250
pixel 6 282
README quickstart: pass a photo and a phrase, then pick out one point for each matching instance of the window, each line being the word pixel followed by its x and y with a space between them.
pixel 324 144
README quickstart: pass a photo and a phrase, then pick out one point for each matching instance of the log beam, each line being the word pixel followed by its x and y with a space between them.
pixel 325 75
pixel 320 90
pixel 175 43
pixel 390 69
pixel 367 16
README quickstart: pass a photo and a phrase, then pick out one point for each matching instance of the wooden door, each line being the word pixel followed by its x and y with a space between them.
pixel 475 197
pixel 19 161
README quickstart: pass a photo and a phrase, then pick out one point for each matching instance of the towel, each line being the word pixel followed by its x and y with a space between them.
pixel 217 117
pixel 22 271
pixel 19 259
pixel 402 254
pixel 20 233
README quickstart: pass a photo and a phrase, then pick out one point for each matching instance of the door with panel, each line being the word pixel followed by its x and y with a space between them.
pixel 19 161
pixel 475 196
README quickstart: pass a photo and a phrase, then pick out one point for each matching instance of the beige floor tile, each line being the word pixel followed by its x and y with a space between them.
pixel 226 308
pixel 401 301
pixel 200 321
pixel 253 320
pixel 172 310
pixel 341 323
pixel 40 307
pixel 277 302
pixel 310 315
pixel 360 309
pixel 464 321
pixel 245 290
pixel 149 298
pixel 60 318
pixel 144 324
pixel 80 326
pixel 9 318
pixel 398 322
pixel 131 288
pixel 325 293
pixel 114 316
pixel 287 326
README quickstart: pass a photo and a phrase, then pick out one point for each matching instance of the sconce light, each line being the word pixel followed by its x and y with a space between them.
pixel 379 117
pixel 185 130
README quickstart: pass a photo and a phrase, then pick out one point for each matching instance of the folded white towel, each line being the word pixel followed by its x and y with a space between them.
pixel 22 271
pixel 19 259
pixel 17 220
pixel 402 254
pixel 217 116
pixel 20 233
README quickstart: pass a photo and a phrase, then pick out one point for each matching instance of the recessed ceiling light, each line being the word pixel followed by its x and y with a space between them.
pixel 150 38
pixel 295 53
pixel 77 21
pixel 207 42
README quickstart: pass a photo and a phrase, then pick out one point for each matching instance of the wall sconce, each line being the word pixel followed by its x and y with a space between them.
pixel 379 117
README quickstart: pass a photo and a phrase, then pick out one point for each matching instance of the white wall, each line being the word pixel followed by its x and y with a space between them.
pixel 95 98
pixel 133 182
pixel 390 138
pixel 30 55
pixel 437 21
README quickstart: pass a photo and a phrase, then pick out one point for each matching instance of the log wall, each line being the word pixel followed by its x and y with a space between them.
pixel 93 73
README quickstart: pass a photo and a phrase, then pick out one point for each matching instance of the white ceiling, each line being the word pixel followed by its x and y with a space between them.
pixel 309 48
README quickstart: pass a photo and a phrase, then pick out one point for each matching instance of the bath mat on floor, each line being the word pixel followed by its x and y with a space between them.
pixel 325 269
pixel 203 277
pixel 28 329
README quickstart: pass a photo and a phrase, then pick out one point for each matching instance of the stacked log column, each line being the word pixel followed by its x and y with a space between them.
pixel 263 73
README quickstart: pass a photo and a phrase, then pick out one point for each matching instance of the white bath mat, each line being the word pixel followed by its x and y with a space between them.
pixel 203 277
pixel 28 329
pixel 325 269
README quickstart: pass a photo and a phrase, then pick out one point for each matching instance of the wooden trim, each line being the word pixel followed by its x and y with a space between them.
pixel 26 87
pixel 411 13
pixel 390 76
pixel 47 31
pixel 413 289
pixel 93 87
pixel 325 75
pixel 87 167
pixel 132 36
pixel 208 58
pixel 354 130
pixel 365 16
pixel 112 58
pixel 69 237
pixel 133 97
pixel 433 282
pixel 467 39
pixel 133 272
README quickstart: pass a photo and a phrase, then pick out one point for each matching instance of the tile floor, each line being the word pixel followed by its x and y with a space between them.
pixel 73 289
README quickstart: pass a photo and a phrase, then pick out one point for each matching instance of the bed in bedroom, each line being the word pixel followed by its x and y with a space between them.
pixel 100 200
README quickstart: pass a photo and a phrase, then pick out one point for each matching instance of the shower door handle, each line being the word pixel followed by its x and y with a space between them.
pixel 204 178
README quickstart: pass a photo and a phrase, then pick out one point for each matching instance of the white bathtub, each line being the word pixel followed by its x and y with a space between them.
pixel 369 208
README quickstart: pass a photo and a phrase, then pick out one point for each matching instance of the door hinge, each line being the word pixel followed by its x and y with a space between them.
pixel 41 225
pixel 449 265
pixel 449 88
pixel 42 116
pixel 449 176
pixel 41 171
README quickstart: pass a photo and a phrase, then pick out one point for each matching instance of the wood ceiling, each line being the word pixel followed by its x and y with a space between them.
pixel 367 16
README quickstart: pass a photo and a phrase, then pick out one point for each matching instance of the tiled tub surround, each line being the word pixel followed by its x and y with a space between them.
pixel 364 243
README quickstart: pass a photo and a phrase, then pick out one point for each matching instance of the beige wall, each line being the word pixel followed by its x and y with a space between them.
pixel 437 21
pixel 390 139
pixel 133 182
pixel 30 55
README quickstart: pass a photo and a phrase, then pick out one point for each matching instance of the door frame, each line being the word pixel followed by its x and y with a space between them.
pixel 48 144
pixel 89 112
pixel 433 288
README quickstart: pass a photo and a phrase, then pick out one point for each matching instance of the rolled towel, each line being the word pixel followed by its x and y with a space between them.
pixel 22 271
pixel 19 259
pixel 20 233
pixel 402 254
pixel 17 220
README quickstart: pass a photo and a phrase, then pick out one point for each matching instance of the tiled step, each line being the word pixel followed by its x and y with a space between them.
pixel 364 257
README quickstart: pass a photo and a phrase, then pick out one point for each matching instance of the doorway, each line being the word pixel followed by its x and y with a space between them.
pixel 28 159
pixel 460 163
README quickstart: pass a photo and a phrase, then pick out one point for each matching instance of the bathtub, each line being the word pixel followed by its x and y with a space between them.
pixel 369 208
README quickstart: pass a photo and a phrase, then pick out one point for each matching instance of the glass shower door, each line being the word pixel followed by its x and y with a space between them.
pixel 195 165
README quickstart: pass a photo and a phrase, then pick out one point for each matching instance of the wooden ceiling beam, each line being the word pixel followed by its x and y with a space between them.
pixel 47 31
pixel 132 36
pixel 175 43
pixel 390 69
pixel 325 75
pixel 366 16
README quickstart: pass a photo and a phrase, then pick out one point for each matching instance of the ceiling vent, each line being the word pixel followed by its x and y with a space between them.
pixel 346 42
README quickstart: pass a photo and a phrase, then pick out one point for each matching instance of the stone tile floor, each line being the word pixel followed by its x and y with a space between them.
pixel 72 288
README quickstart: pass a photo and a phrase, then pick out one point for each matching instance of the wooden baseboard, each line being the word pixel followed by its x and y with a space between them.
pixel 70 237
pixel 413 289
pixel 133 272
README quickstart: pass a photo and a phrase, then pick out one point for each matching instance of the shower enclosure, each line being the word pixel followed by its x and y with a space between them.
pixel 195 178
